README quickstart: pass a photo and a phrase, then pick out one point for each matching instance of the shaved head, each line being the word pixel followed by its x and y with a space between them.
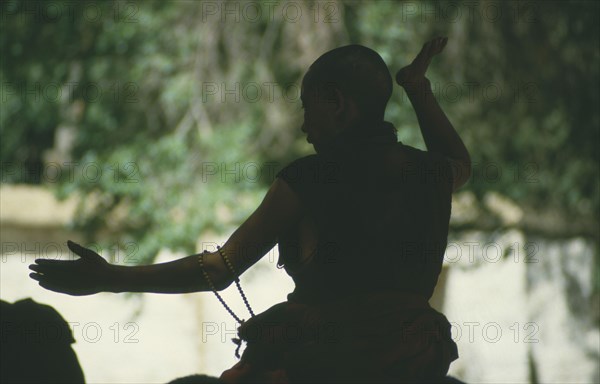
pixel 357 72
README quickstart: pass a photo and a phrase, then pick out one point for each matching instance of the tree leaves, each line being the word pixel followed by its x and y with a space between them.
pixel 163 100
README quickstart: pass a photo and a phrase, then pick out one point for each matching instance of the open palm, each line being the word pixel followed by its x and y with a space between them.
pixel 85 276
pixel 415 71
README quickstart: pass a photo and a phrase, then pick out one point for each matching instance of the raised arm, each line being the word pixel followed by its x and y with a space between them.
pixel 438 133
pixel 252 240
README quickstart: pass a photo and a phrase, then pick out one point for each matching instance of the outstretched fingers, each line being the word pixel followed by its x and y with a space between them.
pixel 36 276
pixel 53 270
pixel 46 266
pixel 55 280
pixel 438 45
pixel 431 48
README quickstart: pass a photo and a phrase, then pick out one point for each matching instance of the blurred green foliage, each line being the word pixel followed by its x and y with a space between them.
pixel 144 92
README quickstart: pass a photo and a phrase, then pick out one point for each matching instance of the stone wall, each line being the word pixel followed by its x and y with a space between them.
pixel 523 309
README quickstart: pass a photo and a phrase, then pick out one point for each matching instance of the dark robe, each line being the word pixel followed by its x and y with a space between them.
pixel 365 262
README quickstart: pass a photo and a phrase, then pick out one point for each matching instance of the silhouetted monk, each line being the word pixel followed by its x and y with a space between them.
pixel 362 228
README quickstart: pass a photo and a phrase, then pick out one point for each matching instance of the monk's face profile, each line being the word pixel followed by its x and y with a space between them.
pixel 327 112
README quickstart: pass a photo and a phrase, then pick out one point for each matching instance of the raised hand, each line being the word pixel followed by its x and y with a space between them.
pixel 415 71
pixel 88 275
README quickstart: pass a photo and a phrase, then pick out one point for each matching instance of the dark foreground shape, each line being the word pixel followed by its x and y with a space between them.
pixel 36 345
pixel 452 380
pixel 204 379
pixel 196 379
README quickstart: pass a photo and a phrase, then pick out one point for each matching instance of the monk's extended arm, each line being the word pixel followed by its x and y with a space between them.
pixel 91 274
pixel 178 276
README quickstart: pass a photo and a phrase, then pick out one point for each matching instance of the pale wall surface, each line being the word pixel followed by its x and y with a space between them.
pixel 504 311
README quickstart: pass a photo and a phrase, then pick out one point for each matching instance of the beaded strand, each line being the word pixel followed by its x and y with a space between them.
pixel 237 280
pixel 237 341
pixel 212 286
